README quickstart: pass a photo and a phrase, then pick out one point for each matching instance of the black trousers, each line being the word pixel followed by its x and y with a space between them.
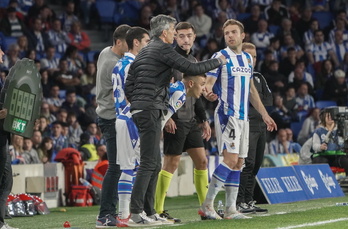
pixel 257 141
pixel 6 179
pixel 148 123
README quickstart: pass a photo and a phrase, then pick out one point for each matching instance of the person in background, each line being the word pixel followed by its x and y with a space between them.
pixel 281 144
pixel 257 142
pixel 30 155
pixel 309 125
pixel 106 121
pixel 6 179
pixel 326 146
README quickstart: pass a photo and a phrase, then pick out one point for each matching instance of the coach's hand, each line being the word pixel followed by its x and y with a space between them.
pixel 170 126
pixel 210 96
pixel 3 113
pixel 271 125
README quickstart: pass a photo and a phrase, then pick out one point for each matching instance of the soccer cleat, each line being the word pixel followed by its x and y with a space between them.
pixel 107 221
pixel 256 208
pixel 236 215
pixel 245 208
pixel 208 212
pixel 163 220
pixel 122 222
pixel 166 215
pixel 141 220
pixel 6 226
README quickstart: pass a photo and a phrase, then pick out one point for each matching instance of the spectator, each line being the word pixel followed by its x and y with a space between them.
pixel 45 111
pixel 92 130
pixel 36 139
pixel 75 130
pixel 320 50
pixel 90 114
pixel 263 65
pixel 44 127
pixel 287 65
pixel 289 42
pixel 87 149
pixel 37 37
pixel 304 101
pixel 326 73
pixel 45 83
pixel 202 23
pixel 261 38
pixel 287 29
pixel 304 23
pixel 290 137
pixel 224 6
pixel 309 125
pixel 58 37
pixel 145 15
pixel 275 12
pixel 318 5
pixel 76 63
pixel 79 38
pixel 280 114
pixel 45 149
pixel 88 79
pixel 275 48
pixel 262 3
pixel 336 88
pixel 68 16
pixel 250 23
pixel 16 149
pixel 308 36
pixel 290 98
pixel 208 51
pixel 34 10
pixel 276 80
pixel 64 77
pixel 29 153
pixel 59 141
pixel 50 61
pixel 70 104
pixel 54 101
pixel 11 25
pixel 299 75
pixel 46 15
pixel 341 25
pixel 62 115
pixel 22 42
pixel 339 46
pixel 12 56
pixel 280 145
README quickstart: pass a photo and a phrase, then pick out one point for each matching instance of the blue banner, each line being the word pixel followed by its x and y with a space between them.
pixel 280 185
pixel 318 181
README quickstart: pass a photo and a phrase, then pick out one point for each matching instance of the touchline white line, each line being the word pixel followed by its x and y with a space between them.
pixel 314 224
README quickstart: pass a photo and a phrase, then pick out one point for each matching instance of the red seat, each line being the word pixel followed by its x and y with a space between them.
pixel 337 170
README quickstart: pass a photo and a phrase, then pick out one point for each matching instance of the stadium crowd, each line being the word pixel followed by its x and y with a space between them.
pixel 303 58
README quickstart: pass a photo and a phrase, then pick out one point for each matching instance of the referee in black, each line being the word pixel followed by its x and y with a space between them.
pixel 257 141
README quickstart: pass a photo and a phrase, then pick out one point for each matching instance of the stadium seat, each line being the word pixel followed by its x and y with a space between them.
pixel 106 11
pixel 242 16
pixel 296 127
pixel 324 18
pixel 325 103
pixel 273 29
pixel 4 3
pixel 8 41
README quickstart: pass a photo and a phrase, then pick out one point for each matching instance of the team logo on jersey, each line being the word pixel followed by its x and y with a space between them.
pixel 233 146
pixel 178 104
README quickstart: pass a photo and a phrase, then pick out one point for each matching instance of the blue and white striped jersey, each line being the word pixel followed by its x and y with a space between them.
pixel 233 83
pixel 119 75
pixel 320 51
pixel 177 98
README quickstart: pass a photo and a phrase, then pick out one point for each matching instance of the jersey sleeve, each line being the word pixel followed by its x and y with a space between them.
pixel 215 72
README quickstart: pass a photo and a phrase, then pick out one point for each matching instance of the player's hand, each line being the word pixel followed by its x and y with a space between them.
pixel 271 125
pixel 206 131
pixel 210 96
pixel 170 126
pixel 3 113
pixel 223 59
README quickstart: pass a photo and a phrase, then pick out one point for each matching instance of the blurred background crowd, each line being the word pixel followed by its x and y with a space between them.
pixel 302 48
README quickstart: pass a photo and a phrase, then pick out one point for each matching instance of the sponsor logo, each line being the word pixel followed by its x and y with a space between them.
pixel 19 125
pixel 241 69
pixel 310 181
pixel 272 185
pixel 327 180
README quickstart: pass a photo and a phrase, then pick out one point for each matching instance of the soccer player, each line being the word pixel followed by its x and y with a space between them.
pixel 183 133
pixel 136 39
pixel 232 83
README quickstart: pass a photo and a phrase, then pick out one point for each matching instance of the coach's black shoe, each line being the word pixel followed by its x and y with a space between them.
pixel 256 208
pixel 166 215
pixel 244 208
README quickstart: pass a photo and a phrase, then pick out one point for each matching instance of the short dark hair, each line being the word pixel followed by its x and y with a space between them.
pixel 191 77
pixel 120 33
pixel 135 33
pixel 185 25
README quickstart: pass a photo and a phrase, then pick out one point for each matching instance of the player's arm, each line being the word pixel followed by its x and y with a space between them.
pixel 209 94
pixel 257 104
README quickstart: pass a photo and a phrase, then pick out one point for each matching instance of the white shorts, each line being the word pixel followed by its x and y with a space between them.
pixel 127 143
pixel 232 134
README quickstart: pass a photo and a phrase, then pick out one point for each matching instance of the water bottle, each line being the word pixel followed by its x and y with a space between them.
pixel 84 182
pixel 220 209
pixel 341 204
